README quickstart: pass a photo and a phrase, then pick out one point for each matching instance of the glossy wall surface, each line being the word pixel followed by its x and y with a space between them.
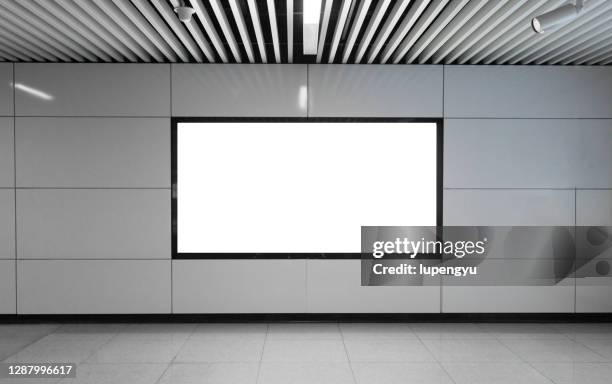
pixel 85 181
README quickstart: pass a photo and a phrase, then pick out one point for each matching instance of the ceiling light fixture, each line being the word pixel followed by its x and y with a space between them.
pixel 184 11
pixel 312 17
pixel 561 15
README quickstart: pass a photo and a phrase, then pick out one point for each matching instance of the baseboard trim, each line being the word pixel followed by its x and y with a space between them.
pixel 314 317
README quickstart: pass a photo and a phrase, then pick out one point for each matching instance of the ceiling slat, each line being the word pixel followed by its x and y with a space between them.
pixel 379 14
pixel 9 17
pixel 590 53
pixel 433 31
pixel 532 45
pixel 602 55
pixel 499 17
pixel 521 26
pixel 34 39
pixel 558 44
pixel 14 52
pixel 23 46
pixel 324 27
pixel 57 28
pixel 7 56
pixel 179 30
pixel 210 29
pixel 464 34
pixel 258 31
pixel 411 17
pixel 355 28
pixel 584 44
pixel 128 9
pixel 342 17
pixel 607 60
pixel 500 29
pixel 576 42
pixel 242 29
pixel 290 31
pixel 462 18
pixel 428 17
pixel 274 28
pixel 125 24
pixel 198 36
pixel 84 30
pixel 226 29
pixel 160 26
pixel 103 26
pixel 480 32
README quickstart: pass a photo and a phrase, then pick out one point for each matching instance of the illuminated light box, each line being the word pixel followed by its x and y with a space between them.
pixel 300 186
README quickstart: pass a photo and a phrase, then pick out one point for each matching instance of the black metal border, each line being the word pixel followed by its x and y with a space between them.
pixel 237 256
pixel 313 317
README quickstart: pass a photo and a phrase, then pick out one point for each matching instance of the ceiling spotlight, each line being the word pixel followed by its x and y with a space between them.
pixel 561 15
pixel 184 11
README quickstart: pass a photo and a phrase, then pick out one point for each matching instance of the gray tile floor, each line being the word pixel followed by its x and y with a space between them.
pixel 321 353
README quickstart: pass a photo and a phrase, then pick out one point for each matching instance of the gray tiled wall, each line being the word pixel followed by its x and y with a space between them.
pixel 523 146
pixel 93 188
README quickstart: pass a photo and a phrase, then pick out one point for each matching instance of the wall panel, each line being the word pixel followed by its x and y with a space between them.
pixel 7 287
pixel 495 299
pixel 594 207
pixel 239 286
pixel 7 163
pixel 93 286
pixel 527 153
pixel 375 91
pixel 594 277
pixel 6 90
pixel 93 224
pixel 527 91
pixel 507 207
pixel 334 286
pixel 520 292
pixel 239 90
pixel 7 223
pixel 93 89
pixel 93 152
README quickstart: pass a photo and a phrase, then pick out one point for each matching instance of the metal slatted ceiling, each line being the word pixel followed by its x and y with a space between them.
pixel 270 31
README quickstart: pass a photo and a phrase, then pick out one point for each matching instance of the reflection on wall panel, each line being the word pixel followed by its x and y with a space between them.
pixel 92 89
pixel 239 90
pixel 93 286
pixel 93 224
pixel 375 91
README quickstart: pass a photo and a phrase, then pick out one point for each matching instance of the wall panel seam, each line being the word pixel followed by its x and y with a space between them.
pixel 526 118
pixel 15 186
pixel 98 116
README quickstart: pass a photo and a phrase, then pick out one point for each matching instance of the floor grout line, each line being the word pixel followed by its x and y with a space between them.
pixel 348 358
pixel 434 356
pixel 263 349
pixel 177 353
